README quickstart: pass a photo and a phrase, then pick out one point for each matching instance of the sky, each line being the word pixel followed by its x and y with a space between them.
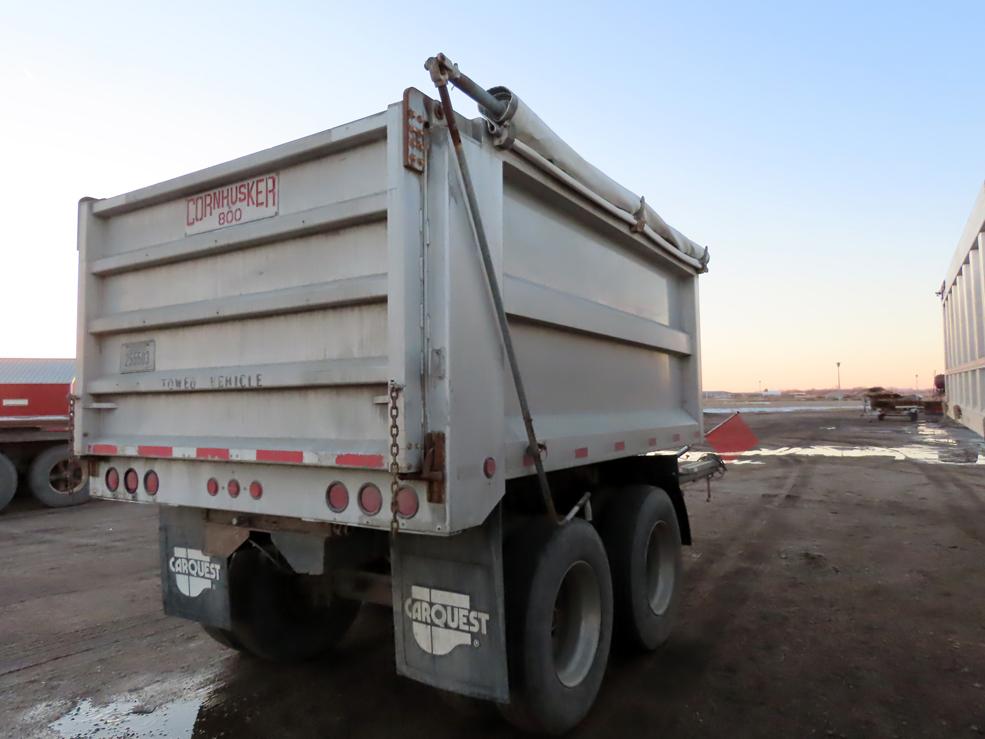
pixel 827 153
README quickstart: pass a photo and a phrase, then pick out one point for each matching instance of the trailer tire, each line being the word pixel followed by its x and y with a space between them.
pixel 8 481
pixel 558 624
pixel 282 616
pixel 58 478
pixel 643 540
pixel 225 637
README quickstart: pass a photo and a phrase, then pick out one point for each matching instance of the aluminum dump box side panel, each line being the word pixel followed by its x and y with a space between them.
pixel 604 323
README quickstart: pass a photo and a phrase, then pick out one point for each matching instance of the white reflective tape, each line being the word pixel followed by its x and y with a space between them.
pixel 20 402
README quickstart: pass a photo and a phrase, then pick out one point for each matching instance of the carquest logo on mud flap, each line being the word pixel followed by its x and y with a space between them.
pixel 194 571
pixel 442 620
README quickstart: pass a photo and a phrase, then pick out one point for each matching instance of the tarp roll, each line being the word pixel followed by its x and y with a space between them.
pixel 526 126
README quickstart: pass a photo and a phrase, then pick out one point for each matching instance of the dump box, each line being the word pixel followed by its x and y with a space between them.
pixel 297 355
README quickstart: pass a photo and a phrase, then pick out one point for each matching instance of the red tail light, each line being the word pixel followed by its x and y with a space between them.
pixel 256 490
pixel 370 499
pixel 131 480
pixel 151 483
pixel 337 497
pixel 407 503
pixel 232 487
pixel 212 486
pixel 112 479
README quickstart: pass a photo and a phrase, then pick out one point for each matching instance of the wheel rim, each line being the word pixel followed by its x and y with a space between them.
pixel 66 476
pixel 660 570
pixel 577 624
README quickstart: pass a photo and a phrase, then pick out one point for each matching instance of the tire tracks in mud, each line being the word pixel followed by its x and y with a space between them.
pixel 966 517
pixel 723 588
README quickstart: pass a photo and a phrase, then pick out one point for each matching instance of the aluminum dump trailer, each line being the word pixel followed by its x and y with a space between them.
pixel 964 324
pixel 36 433
pixel 298 355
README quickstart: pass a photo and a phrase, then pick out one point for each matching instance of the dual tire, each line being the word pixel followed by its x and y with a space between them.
pixel 569 588
pixel 56 478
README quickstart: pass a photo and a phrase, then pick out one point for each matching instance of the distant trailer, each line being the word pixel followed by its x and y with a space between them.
pixel 35 431
pixel 964 324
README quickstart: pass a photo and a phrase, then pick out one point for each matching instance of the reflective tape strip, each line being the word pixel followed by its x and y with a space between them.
pixel 359 460
pixel 155 451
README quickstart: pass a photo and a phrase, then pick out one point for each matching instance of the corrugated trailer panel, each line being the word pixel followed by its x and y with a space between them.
pixel 964 323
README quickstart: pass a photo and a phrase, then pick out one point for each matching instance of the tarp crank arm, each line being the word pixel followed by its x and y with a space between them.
pixel 442 71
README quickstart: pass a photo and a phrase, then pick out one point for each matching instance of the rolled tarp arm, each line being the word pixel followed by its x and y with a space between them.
pixel 511 121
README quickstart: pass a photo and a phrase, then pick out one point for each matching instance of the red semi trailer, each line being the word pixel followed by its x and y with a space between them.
pixel 36 432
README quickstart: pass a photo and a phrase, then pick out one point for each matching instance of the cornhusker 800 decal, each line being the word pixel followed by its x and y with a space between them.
pixel 194 571
pixel 442 620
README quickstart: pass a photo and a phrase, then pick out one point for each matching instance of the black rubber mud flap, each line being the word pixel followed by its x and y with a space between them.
pixel 194 584
pixel 448 610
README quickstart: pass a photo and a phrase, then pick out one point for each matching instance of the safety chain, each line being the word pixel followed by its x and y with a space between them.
pixel 394 454
pixel 72 400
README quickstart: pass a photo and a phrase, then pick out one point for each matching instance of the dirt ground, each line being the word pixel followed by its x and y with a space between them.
pixel 826 595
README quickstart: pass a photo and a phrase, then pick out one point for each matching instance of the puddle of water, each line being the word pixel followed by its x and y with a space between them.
pixel 128 718
pixel 915 453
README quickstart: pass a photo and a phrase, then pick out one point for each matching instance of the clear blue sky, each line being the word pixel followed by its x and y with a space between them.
pixel 828 153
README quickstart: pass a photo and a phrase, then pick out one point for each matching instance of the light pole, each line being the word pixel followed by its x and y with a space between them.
pixel 838 365
pixel 916 384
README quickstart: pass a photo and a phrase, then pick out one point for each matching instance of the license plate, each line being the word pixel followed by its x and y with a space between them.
pixel 137 356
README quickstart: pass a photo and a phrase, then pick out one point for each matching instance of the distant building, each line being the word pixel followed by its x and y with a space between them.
pixel 962 294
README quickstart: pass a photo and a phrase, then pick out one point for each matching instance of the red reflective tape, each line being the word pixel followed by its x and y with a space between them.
pixel 677 437
pixel 359 460
pixel 581 452
pixel 210 453
pixel 620 445
pixel 155 451
pixel 279 455
pixel 528 461
pixel 103 449
pixel 652 441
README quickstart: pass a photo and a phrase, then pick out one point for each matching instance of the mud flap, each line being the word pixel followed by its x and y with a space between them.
pixel 449 619
pixel 194 585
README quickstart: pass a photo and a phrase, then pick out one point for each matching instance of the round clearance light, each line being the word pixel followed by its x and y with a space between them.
pixel 112 479
pixel 256 490
pixel 232 487
pixel 489 467
pixel 370 499
pixel 212 486
pixel 407 503
pixel 131 480
pixel 337 497
pixel 151 483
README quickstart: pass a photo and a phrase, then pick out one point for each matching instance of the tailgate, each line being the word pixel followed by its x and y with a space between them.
pixel 242 313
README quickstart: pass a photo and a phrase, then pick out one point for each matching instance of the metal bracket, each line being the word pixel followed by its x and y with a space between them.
pixel 433 467
pixel 417 112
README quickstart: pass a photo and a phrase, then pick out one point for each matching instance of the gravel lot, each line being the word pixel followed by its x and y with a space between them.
pixel 832 591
